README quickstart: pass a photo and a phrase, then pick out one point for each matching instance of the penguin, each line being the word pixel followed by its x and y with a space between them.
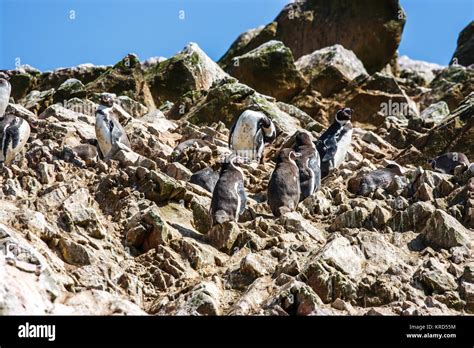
pixel 365 183
pixel 14 131
pixel 5 91
pixel 81 154
pixel 250 133
pixel 228 198
pixel 206 178
pixel 309 164
pixel 108 129
pixel 448 161
pixel 284 187
pixel 335 141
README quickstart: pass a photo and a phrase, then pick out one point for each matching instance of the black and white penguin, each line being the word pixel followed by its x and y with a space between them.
pixel 108 129
pixel 228 198
pixel 335 141
pixel 14 131
pixel 5 91
pixel 365 183
pixel 284 187
pixel 250 133
pixel 448 161
pixel 308 164
pixel 206 178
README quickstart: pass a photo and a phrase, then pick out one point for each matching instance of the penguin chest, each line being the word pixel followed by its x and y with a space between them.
pixel 103 134
pixel 239 201
pixel 342 147
pixel 243 139
pixel 14 139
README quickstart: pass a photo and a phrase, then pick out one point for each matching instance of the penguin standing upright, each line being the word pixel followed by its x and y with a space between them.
pixel 228 198
pixel 250 133
pixel 284 187
pixel 108 129
pixel 308 164
pixel 335 141
pixel 14 131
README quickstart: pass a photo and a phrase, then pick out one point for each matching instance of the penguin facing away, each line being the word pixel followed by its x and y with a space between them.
pixel 335 141
pixel 108 129
pixel 284 187
pixel 250 133
pixel 228 198
pixel 446 163
pixel 14 131
pixel 308 164
pixel 206 178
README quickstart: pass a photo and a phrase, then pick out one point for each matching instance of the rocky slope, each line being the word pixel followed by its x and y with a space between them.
pixel 131 235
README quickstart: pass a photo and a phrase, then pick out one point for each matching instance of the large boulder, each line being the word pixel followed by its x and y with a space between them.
pixel 444 231
pixel 451 85
pixel 189 70
pixel 330 69
pixel 420 72
pixel 370 28
pixel 270 69
pixel 124 78
pixel 464 53
pixel 454 133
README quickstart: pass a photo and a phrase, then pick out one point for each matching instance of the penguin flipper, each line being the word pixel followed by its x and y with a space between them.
pixel 243 197
pixel 231 134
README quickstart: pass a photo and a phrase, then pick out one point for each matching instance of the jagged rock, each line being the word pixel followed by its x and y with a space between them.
pixel 124 78
pixel 330 69
pixel 269 69
pixel 465 49
pixel 434 278
pixel 257 265
pixel 296 298
pixel 188 71
pixel 415 217
pixel 444 231
pixel 468 274
pixel 71 88
pixel 223 236
pixel 435 112
pixel 300 27
pixel 295 223
pixel 74 253
pixel 451 85
pixel 455 133
pixel 418 71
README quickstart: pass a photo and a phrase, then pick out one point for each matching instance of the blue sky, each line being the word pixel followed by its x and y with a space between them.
pixel 41 32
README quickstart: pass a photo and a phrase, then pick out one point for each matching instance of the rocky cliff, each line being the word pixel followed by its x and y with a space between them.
pixel 132 235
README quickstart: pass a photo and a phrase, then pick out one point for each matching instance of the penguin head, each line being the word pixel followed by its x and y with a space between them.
pixel 432 163
pixel 106 99
pixel 344 115
pixel 287 155
pixel 303 138
pixel 266 124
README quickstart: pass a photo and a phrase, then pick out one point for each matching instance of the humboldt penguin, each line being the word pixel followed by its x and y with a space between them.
pixel 365 183
pixel 228 198
pixel 284 187
pixel 206 178
pixel 308 164
pixel 14 131
pixel 335 141
pixel 108 129
pixel 250 133
pixel 448 161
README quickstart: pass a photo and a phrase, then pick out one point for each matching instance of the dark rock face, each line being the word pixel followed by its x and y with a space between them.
pixel 464 54
pixel 270 69
pixel 370 28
